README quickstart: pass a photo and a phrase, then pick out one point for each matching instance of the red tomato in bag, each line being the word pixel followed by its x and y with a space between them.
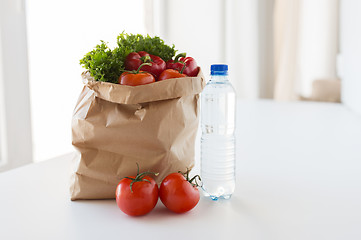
pixel 178 194
pixel 170 73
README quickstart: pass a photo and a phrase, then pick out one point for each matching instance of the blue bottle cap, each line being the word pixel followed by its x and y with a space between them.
pixel 219 69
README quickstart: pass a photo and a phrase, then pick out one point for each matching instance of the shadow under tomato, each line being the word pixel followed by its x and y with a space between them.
pixel 108 210
pixel 162 214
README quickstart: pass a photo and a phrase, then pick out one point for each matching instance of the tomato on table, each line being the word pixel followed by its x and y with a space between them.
pixel 178 193
pixel 137 195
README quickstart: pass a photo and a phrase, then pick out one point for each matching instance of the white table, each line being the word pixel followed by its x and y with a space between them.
pixel 298 177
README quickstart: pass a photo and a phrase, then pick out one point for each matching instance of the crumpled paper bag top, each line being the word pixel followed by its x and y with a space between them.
pixel 161 90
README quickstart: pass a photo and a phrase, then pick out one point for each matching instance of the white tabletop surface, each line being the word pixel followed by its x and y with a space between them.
pixel 298 177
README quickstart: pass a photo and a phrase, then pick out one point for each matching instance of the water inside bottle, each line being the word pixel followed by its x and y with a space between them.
pixel 218 104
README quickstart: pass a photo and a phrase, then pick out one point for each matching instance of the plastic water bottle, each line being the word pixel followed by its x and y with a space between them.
pixel 218 119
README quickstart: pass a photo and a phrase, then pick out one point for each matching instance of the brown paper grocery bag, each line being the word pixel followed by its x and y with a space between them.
pixel 114 127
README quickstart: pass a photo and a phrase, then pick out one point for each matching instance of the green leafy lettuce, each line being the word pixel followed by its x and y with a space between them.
pixel 107 65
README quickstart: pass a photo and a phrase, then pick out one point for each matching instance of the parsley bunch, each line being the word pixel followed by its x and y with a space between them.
pixel 107 65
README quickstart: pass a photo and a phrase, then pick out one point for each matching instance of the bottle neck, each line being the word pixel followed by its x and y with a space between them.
pixel 219 78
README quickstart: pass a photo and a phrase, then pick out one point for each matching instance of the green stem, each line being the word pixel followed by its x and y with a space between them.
pixel 141 65
pixel 184 66
pixel 195 180
pixel 146 180
pixel 146 59
pixel 179 56
pixel 140 177
pixel 130 178
pixel 186 176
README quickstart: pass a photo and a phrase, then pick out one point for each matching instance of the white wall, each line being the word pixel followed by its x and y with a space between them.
pixel 318 41
pixel 242 47
pixel 196 30
pixel 225 31
pixel 15 122
pixel 59 34
pixel 265 48
pixel 349 67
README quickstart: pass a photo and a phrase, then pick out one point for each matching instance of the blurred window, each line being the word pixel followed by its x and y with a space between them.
pixel 2 114
pixel 59 34
pixel 15 127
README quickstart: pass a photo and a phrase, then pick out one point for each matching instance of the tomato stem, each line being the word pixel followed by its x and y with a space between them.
pixel 138 70
pixel 186 175
pixel 130 178
pixel 195 180
pixel 141 65
pixel 140 177
pixel 184 66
